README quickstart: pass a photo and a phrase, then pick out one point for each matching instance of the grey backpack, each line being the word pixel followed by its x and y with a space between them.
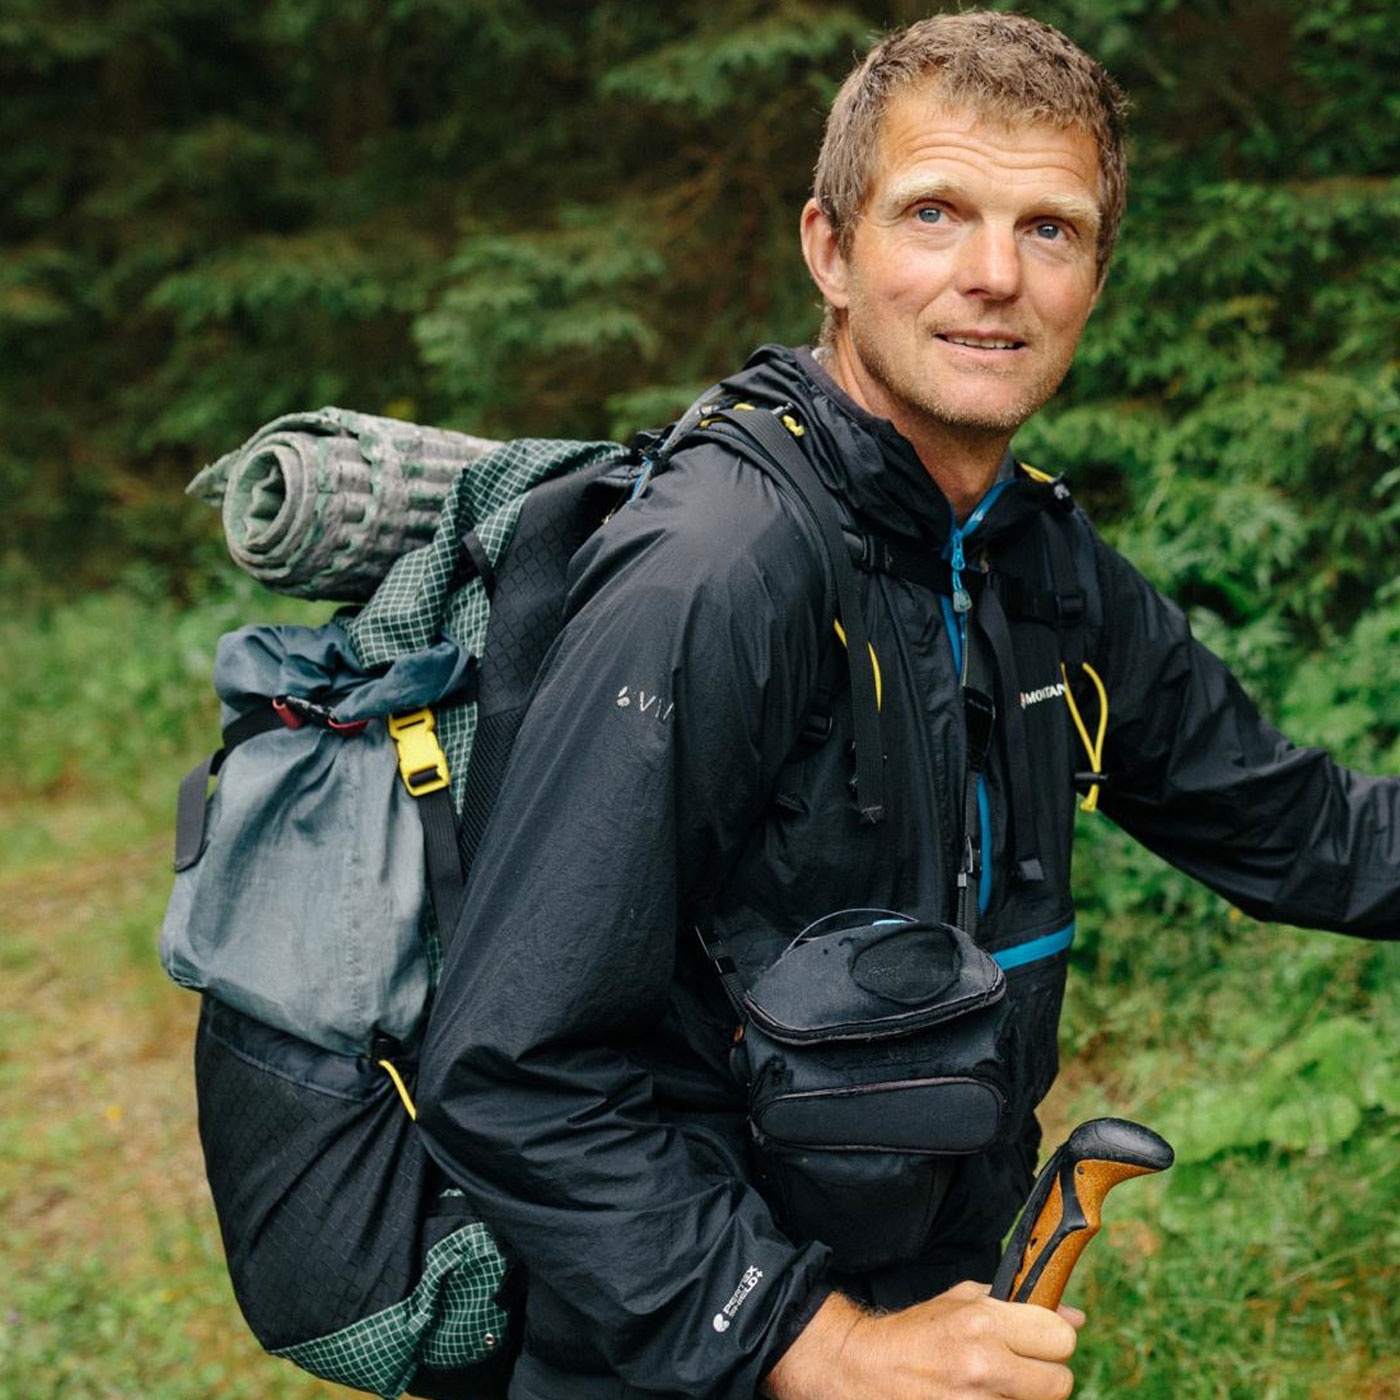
pixel 315 882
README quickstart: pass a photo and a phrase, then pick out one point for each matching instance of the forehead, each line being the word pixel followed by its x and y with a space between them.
pixel 925 140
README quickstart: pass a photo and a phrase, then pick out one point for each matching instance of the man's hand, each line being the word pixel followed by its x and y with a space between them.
pixel 961 1345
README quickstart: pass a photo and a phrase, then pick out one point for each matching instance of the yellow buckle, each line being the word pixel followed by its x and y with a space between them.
pixel 422 763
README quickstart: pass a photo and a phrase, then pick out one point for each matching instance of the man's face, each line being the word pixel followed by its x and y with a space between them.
pixel 970 275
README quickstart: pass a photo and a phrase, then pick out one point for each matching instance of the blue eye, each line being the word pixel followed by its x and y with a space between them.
pixel 1049 231
pixel 929 215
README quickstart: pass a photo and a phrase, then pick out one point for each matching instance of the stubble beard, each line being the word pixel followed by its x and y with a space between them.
pixel 928 405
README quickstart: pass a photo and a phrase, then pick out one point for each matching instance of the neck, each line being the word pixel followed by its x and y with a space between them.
pixel 961 460
pixel 963 472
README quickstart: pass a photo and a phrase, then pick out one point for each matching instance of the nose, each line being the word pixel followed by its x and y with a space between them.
pixel 990 262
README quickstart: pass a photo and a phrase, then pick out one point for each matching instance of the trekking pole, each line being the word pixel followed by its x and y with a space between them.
pixel 1063 1211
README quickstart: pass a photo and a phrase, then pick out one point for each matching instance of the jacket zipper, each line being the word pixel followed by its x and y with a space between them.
pixel 962 606
pixel 975 809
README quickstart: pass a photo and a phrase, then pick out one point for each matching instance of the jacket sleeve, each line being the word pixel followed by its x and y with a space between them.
pixel 663 712
pixel 1200 777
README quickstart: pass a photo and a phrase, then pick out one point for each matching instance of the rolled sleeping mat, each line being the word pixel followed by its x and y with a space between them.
pixel 320 504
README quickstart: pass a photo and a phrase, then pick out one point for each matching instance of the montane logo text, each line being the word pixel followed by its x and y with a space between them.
pixel 747 1284
pixel 1046 692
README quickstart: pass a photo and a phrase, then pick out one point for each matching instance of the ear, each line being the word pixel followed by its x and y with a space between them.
pixel 1098 291
pixel 824 257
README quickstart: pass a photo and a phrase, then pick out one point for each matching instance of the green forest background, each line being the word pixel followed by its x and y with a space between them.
pixel 535 216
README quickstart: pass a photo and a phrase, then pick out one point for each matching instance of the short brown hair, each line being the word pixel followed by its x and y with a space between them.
pixel 1008 67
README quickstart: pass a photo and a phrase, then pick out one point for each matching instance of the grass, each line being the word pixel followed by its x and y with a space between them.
pixel 114 1286
pixel 1262 1266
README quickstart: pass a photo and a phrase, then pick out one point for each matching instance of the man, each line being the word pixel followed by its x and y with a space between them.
pixel 579 1078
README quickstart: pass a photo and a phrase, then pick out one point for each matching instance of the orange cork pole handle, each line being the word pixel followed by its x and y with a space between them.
pixel 1065 1207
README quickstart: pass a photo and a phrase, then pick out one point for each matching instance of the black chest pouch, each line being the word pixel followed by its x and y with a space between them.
pixel 875 1052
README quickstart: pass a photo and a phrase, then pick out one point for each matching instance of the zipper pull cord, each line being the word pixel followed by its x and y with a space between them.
pixel 962 599
pixel 391 1069
pixel 1093 747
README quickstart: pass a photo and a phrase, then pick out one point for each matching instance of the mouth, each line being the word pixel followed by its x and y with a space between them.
pixel 981 342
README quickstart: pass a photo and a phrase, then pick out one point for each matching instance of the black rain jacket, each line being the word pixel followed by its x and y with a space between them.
pixel 576 1076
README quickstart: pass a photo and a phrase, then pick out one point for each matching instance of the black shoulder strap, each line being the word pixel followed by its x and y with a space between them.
pixel 1068 600
pixel 787 791
pixel 1082 565
pixel 779 447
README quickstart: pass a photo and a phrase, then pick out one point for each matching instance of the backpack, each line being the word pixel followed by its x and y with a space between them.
pixel 317 881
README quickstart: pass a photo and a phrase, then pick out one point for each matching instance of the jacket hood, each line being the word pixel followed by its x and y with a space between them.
pixel 868 461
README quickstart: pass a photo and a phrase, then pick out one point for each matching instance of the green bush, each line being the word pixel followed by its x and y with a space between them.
pixel 111 692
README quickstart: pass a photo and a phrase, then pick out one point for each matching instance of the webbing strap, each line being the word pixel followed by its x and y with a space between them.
pixel 912 563
pixel 480 560
pixel 992 622
pixel 719 955
pixel 191 804
pixel 189 810
pixel 423 769
pixel 817 730
pixel 1062 611
pixel 446 885
pixel 779 446
pixel 1070 594
pixel 1062 608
